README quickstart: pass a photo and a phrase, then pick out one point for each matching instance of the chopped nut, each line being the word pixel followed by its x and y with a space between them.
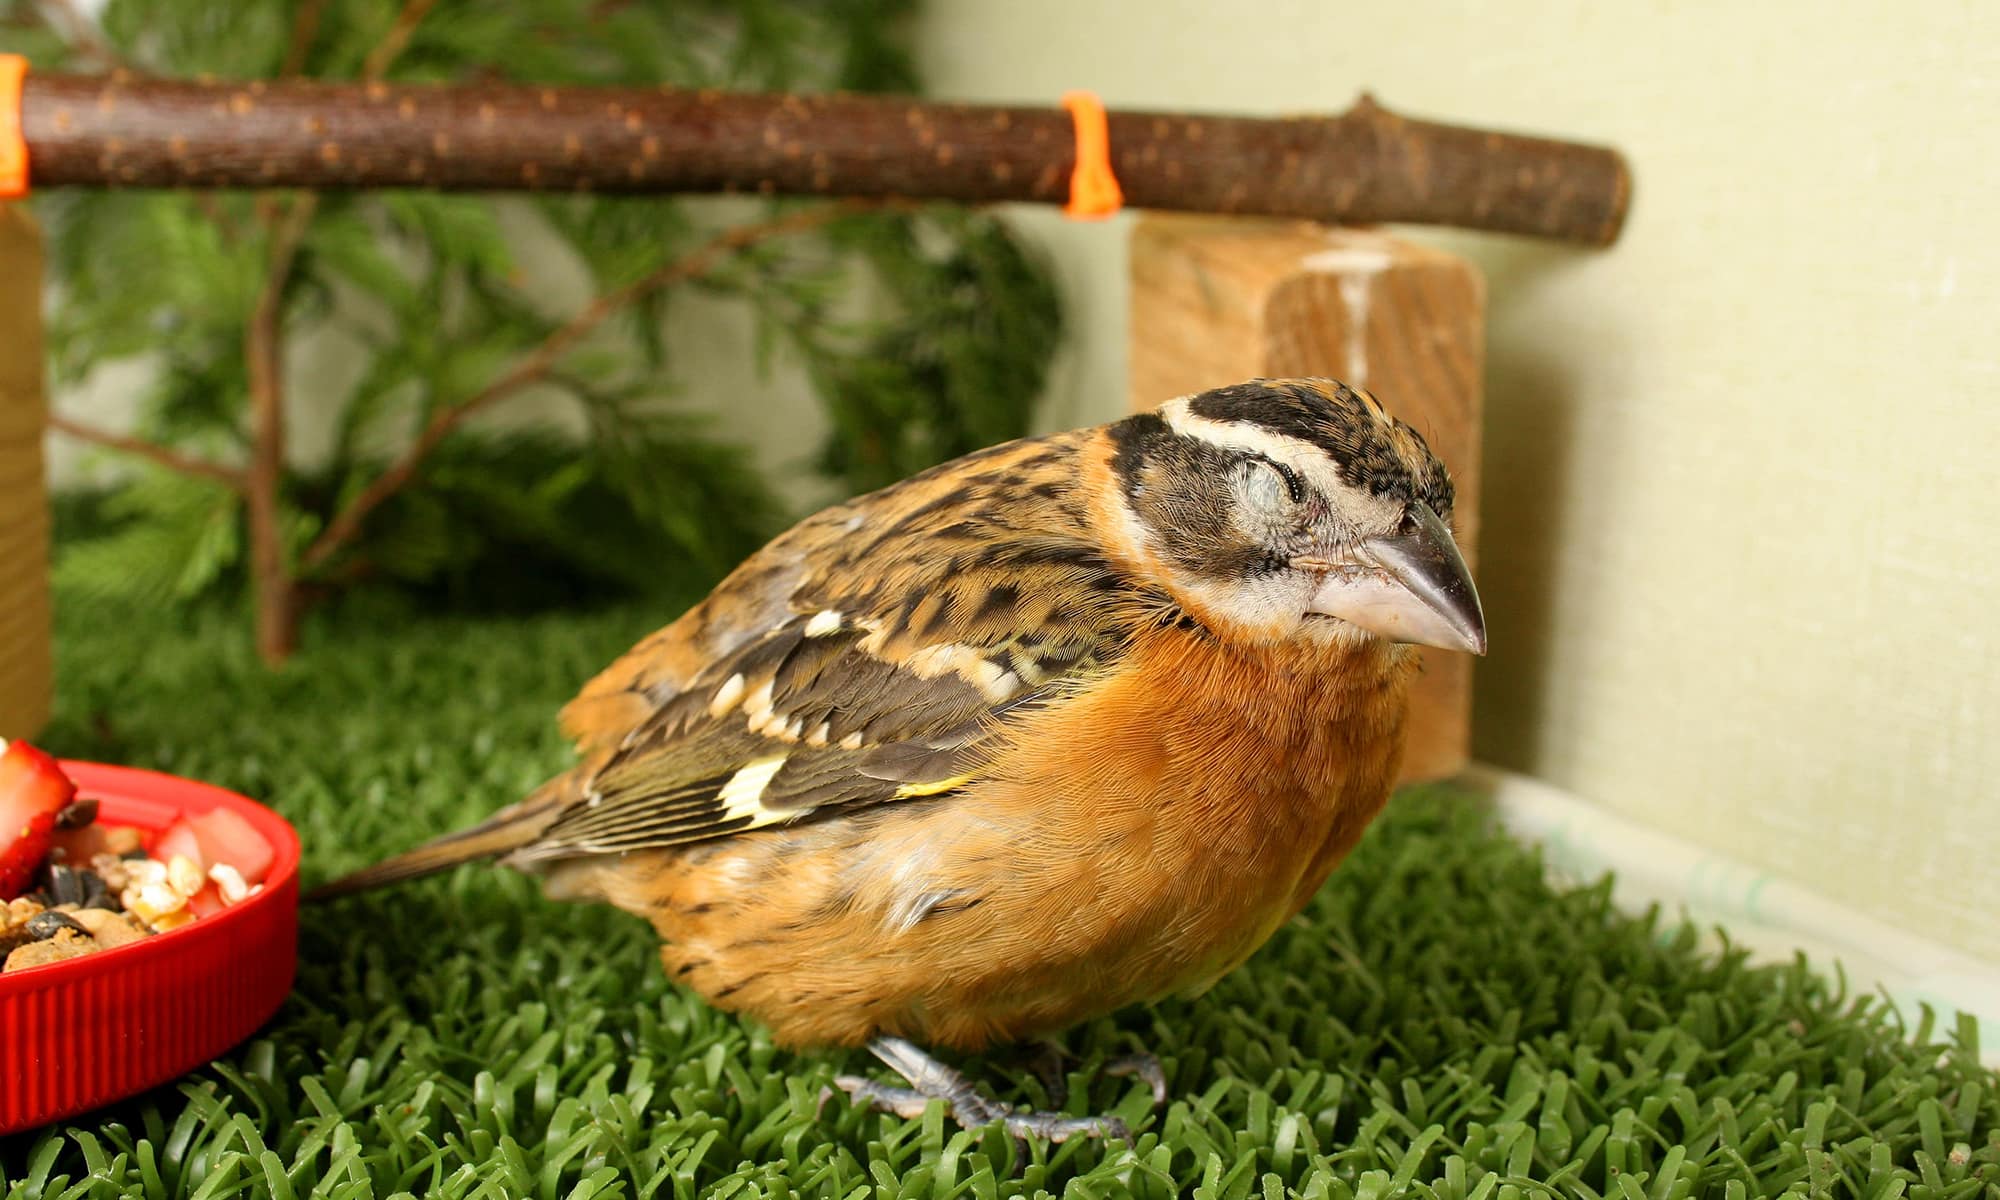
pixel 110 929
pixel 184 875
pixel 22 907
pixel 14 929
pixel 123 840
pixel 228 883
pixel 154 901
pixel 171 920
pixel 143 873
pixel 111 869
pixel 68 943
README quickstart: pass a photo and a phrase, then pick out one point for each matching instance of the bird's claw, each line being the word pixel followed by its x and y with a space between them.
pixel 907 1103
pixel 1046 1061
pixel 1142 1066
pixel 971 1108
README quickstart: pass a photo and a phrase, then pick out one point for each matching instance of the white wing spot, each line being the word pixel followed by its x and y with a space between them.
pixel 818 736
pixel 994 682
pixel 852 741
pixel 824 623
pixel 743 795
pixel 777 726
pixel 727 695
pixel 969 663
pixel 758 706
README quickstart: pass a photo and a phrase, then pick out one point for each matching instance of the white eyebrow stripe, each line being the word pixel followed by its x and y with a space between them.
pixel 1302 456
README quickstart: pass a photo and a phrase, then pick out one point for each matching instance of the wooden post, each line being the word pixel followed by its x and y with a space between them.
pixel 25 659
pixel 1217 300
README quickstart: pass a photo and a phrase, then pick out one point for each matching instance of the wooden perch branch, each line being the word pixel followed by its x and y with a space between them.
pixel 538 364
pixel 172 460
pixel 1365 165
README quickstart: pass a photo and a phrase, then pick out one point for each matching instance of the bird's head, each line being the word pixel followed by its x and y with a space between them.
pixel 1284 508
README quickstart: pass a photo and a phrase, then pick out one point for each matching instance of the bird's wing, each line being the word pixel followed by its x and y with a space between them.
pixel 753 600
pixel 918 622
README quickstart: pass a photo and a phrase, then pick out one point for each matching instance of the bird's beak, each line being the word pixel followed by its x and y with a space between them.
pixel 1411 587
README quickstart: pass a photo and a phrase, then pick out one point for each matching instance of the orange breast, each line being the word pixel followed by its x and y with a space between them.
pixel 1139 839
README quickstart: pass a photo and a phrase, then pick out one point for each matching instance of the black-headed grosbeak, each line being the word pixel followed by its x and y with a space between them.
pixel 1060 726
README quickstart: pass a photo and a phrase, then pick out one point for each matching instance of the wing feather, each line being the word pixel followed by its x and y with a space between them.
pixel 914 626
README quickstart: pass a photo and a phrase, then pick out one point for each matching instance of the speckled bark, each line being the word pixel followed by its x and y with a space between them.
pixel 25 666
pixel 1365 165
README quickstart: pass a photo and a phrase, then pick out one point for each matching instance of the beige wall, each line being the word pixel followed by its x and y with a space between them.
pixel 1740 559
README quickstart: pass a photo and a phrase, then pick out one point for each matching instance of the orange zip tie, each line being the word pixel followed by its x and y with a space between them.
pixel 13 148
pixel 1093 188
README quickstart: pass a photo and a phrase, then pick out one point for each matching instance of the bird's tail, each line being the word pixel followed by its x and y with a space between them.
pixel 506 831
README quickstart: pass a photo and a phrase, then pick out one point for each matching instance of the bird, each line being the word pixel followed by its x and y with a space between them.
pixel 1064 725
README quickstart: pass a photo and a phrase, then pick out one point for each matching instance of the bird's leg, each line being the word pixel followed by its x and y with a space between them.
pixel 933 1080
pixel 930 1079
pixel 1046 1059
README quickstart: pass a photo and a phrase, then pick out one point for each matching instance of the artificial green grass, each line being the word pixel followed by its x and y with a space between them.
pixel 1441 1023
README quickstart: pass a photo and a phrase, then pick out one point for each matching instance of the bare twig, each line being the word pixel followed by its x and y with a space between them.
pixel 263 349
pixel 393 43
pixel 276 583
pixel 81 31
pixel 173 460
pixel 538 364
pixel 305 27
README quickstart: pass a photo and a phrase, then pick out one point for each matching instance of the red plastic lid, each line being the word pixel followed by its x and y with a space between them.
pixel 78 1034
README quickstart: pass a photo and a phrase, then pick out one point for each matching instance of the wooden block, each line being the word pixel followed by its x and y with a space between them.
pixel 1217 300
pixel 26 671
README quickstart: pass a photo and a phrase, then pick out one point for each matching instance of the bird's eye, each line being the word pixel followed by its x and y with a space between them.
pixel 1272 483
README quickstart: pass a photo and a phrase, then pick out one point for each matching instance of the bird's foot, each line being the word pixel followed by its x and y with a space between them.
pixel 930 1080
pixel 1048 1058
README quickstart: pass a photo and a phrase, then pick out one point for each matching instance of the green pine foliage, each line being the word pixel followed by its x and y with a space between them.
pixel 907 394
pixel 926 334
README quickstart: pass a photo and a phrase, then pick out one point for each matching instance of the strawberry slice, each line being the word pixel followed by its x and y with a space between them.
pixel 206 902
pixel 32 791
pixel 226 837
pixel 180 838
